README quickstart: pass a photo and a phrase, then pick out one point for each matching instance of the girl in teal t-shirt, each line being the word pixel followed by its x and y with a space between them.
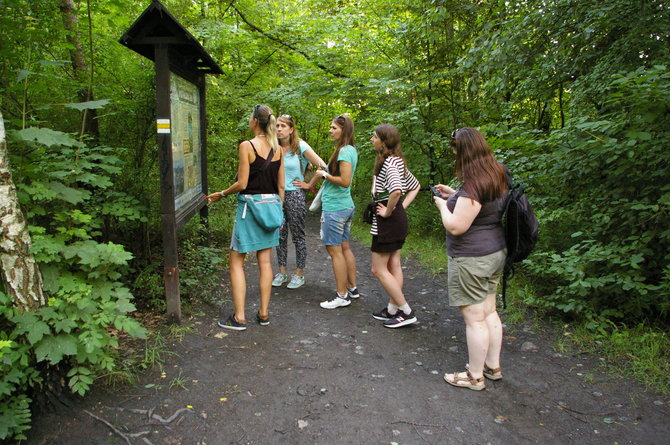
pixel 297 155
pixel 338 211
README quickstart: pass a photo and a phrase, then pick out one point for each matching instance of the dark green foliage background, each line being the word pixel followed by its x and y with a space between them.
pixel 573 96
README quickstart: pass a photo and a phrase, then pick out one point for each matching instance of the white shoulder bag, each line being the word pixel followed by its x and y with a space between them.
pixel 316 203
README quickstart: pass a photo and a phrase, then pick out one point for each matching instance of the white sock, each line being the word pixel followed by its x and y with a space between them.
pixel 343 296
pixel 405 308
pixel 392 309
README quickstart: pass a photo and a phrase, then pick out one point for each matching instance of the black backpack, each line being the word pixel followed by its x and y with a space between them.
pixel 521 229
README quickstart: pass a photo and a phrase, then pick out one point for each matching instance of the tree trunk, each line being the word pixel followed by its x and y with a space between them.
pixel 82 73
pixel 560 104
pixel 20 275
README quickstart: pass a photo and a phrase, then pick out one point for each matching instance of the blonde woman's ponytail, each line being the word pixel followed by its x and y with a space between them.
pixel 271 132
pixel 268 124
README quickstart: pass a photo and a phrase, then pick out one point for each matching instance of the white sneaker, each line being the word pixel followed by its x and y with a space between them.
pixel 335 302
pixel 279 279
pixel 296 282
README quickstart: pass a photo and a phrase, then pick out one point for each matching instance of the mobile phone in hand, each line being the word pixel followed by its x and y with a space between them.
pixel 435 191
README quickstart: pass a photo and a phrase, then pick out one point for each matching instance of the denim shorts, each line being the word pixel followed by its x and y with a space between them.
pixel 471 279
pixel 335 226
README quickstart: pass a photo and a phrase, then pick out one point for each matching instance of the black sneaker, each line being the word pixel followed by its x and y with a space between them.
pixel 383 315
pixel 262 321
pixel 233 324
pixel 400 319
pixel 353 293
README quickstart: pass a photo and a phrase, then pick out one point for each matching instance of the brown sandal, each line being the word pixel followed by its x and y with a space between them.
pixel 492 374
pixel 470 382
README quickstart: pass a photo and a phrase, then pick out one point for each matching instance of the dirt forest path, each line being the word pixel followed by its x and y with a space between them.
pixel 316 376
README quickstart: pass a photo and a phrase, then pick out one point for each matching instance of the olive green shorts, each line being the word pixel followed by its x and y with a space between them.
pixel 471 279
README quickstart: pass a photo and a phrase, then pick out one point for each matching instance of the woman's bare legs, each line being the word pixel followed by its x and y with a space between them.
pixel 340 267
pixel 396 268
pixel 238 284
pixel 264 280
pixel 483 331
pixel 381 265
pixel 477 336
pixel 350 260
pixel 495 332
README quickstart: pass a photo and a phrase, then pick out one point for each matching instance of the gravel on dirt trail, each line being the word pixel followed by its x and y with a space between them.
pixel 316 376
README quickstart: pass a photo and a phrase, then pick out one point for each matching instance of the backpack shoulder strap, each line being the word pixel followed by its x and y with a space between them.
pixel 509 177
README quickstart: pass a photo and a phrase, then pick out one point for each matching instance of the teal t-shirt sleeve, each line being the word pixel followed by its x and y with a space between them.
pixel 348 154
pixel 304 162
pixel 304 146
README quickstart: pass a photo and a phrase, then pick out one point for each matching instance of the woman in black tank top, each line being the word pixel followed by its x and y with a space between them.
pixel 260 177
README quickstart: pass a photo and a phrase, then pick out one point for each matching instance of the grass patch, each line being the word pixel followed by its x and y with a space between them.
pixel 361 232
pixel 136 357
pixel 640 352
pixel 428 251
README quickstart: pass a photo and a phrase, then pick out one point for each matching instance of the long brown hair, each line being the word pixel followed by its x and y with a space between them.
pixel 294 137
pixel 346 138
pixel 483 177
pixel 390 138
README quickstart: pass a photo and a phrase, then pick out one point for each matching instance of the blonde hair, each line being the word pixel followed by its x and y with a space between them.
pixel 267 123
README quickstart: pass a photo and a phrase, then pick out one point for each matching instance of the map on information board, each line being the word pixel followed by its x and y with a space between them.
pixel 186 150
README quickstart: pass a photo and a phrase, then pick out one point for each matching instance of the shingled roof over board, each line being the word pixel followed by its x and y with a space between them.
pixel 156 26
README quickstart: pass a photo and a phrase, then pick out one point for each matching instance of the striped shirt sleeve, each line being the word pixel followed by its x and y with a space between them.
pixel 393 174
pixel 410 182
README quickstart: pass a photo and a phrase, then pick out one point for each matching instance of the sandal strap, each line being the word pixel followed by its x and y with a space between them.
pixel 458 378
pixel 473 381
pixel 491 370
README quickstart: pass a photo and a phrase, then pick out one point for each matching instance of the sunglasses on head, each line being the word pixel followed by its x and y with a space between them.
pixel 453 133
pixel 286 116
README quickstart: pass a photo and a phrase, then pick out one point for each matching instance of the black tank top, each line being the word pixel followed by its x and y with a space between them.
pixel 263 174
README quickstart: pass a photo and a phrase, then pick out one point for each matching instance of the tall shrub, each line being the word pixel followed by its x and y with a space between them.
pixel 66 188
pixel 610 178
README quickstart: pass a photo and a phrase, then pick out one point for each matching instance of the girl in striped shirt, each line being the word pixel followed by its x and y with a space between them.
pixel 391 182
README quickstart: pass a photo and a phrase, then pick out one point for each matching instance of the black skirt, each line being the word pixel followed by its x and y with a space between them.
pixel 385 247
pixel 391 231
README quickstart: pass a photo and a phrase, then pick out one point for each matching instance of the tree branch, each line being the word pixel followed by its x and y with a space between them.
pixel 259 67
pixel 287 45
